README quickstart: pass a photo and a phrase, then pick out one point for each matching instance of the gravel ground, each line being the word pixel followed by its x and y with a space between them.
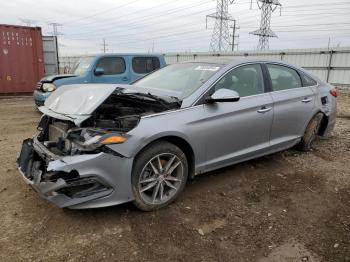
pixel 289 206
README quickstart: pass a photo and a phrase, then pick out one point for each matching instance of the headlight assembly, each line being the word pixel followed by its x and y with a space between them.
pixel 47 87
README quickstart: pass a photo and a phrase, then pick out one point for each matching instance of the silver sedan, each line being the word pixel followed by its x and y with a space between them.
pixel 100 145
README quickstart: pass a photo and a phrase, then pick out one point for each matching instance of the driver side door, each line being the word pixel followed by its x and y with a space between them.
pixel 237 131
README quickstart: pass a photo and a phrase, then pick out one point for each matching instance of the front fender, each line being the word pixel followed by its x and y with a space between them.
pixel 134 145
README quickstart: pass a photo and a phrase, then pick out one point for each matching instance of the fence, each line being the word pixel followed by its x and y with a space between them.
pixel 332 66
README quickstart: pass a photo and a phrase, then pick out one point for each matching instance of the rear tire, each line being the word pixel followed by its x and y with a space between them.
pixel 311 132
pixel 159 175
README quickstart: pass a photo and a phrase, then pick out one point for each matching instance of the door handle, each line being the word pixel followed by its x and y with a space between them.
pixel 306 100
pixel 264 109
pixel 125 78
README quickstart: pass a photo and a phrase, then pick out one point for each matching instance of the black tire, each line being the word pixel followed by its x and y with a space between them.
pixel 310 133
pixel 142 167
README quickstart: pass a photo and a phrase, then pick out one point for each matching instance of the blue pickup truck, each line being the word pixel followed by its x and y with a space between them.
pixel 104 68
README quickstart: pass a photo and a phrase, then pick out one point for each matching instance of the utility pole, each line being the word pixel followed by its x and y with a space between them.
pixel 104 45
pixel 55 31
pixel 234 36
pixel 329 42
pixel 220 39
pixel 264 32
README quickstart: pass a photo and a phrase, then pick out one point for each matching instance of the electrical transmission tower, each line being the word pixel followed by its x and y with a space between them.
pixel 55 31
pixel 264 32
pixel 220 40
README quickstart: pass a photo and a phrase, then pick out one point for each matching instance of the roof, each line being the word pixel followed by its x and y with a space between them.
pixel 121 54
pixel 234 60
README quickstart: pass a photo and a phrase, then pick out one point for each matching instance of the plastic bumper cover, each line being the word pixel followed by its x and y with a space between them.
pixel 80 181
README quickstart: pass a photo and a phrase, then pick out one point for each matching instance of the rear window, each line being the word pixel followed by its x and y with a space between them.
pixel 112 65
pixel 145 65
pixel 283 77
pixel 307 81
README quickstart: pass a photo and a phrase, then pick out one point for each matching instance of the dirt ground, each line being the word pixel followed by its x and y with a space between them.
pixel 289 206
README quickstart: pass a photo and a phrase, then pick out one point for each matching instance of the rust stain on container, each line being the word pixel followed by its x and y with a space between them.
pixel 21 58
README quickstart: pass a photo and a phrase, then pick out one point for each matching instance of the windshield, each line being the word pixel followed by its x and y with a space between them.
pixel 81 66
pixel 183 79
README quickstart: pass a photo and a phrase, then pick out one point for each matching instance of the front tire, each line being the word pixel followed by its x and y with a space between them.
pixel 159 175
pixel 311 132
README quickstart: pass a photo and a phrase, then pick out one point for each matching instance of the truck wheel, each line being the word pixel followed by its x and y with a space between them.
pixel 159 176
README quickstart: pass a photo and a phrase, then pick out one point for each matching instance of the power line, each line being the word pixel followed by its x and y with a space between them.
pixel 141 18
pixel 102 12
pixel 126 37
pixel 115 32
pixel 106 29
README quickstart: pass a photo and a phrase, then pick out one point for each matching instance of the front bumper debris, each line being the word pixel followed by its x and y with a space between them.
pixel 79 181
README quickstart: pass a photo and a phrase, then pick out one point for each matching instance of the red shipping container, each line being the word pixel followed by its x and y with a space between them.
pixel 21 58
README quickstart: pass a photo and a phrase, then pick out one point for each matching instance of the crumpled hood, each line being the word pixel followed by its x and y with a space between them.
pixel 78 99
pixel 51 78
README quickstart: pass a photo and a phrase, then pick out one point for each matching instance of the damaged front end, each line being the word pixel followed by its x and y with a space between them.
pixel 72 165
pixel 63 180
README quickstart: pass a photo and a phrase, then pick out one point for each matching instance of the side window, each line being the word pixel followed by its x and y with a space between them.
pixel 246 80
pixel 307 81
pixel 145 65
pixel 112 65
pixel 283 77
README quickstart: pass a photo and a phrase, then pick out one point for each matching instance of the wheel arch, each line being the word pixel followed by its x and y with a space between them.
pixel 323 125
pixel 180 142
pixel 324 122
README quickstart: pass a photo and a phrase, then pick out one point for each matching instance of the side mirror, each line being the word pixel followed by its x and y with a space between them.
pixel 99 71
pixel 223 95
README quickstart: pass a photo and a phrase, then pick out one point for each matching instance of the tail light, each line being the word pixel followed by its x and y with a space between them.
pixel 334 92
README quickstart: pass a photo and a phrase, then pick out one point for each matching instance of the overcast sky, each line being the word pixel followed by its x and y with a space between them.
pixel 178 25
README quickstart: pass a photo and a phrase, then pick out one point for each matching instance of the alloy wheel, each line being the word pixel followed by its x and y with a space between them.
pixel 161 178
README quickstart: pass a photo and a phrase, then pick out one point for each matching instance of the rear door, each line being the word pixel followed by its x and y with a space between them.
pixel 142 65
pixel 115 68
pixel 293 104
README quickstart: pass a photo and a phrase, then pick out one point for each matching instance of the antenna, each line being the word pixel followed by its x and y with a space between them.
pixel 264 32
pixel 220 40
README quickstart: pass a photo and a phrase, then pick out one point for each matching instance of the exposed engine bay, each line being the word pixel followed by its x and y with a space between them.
pixel 119 114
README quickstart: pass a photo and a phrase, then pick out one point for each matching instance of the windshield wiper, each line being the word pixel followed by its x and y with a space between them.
pixel 161 101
